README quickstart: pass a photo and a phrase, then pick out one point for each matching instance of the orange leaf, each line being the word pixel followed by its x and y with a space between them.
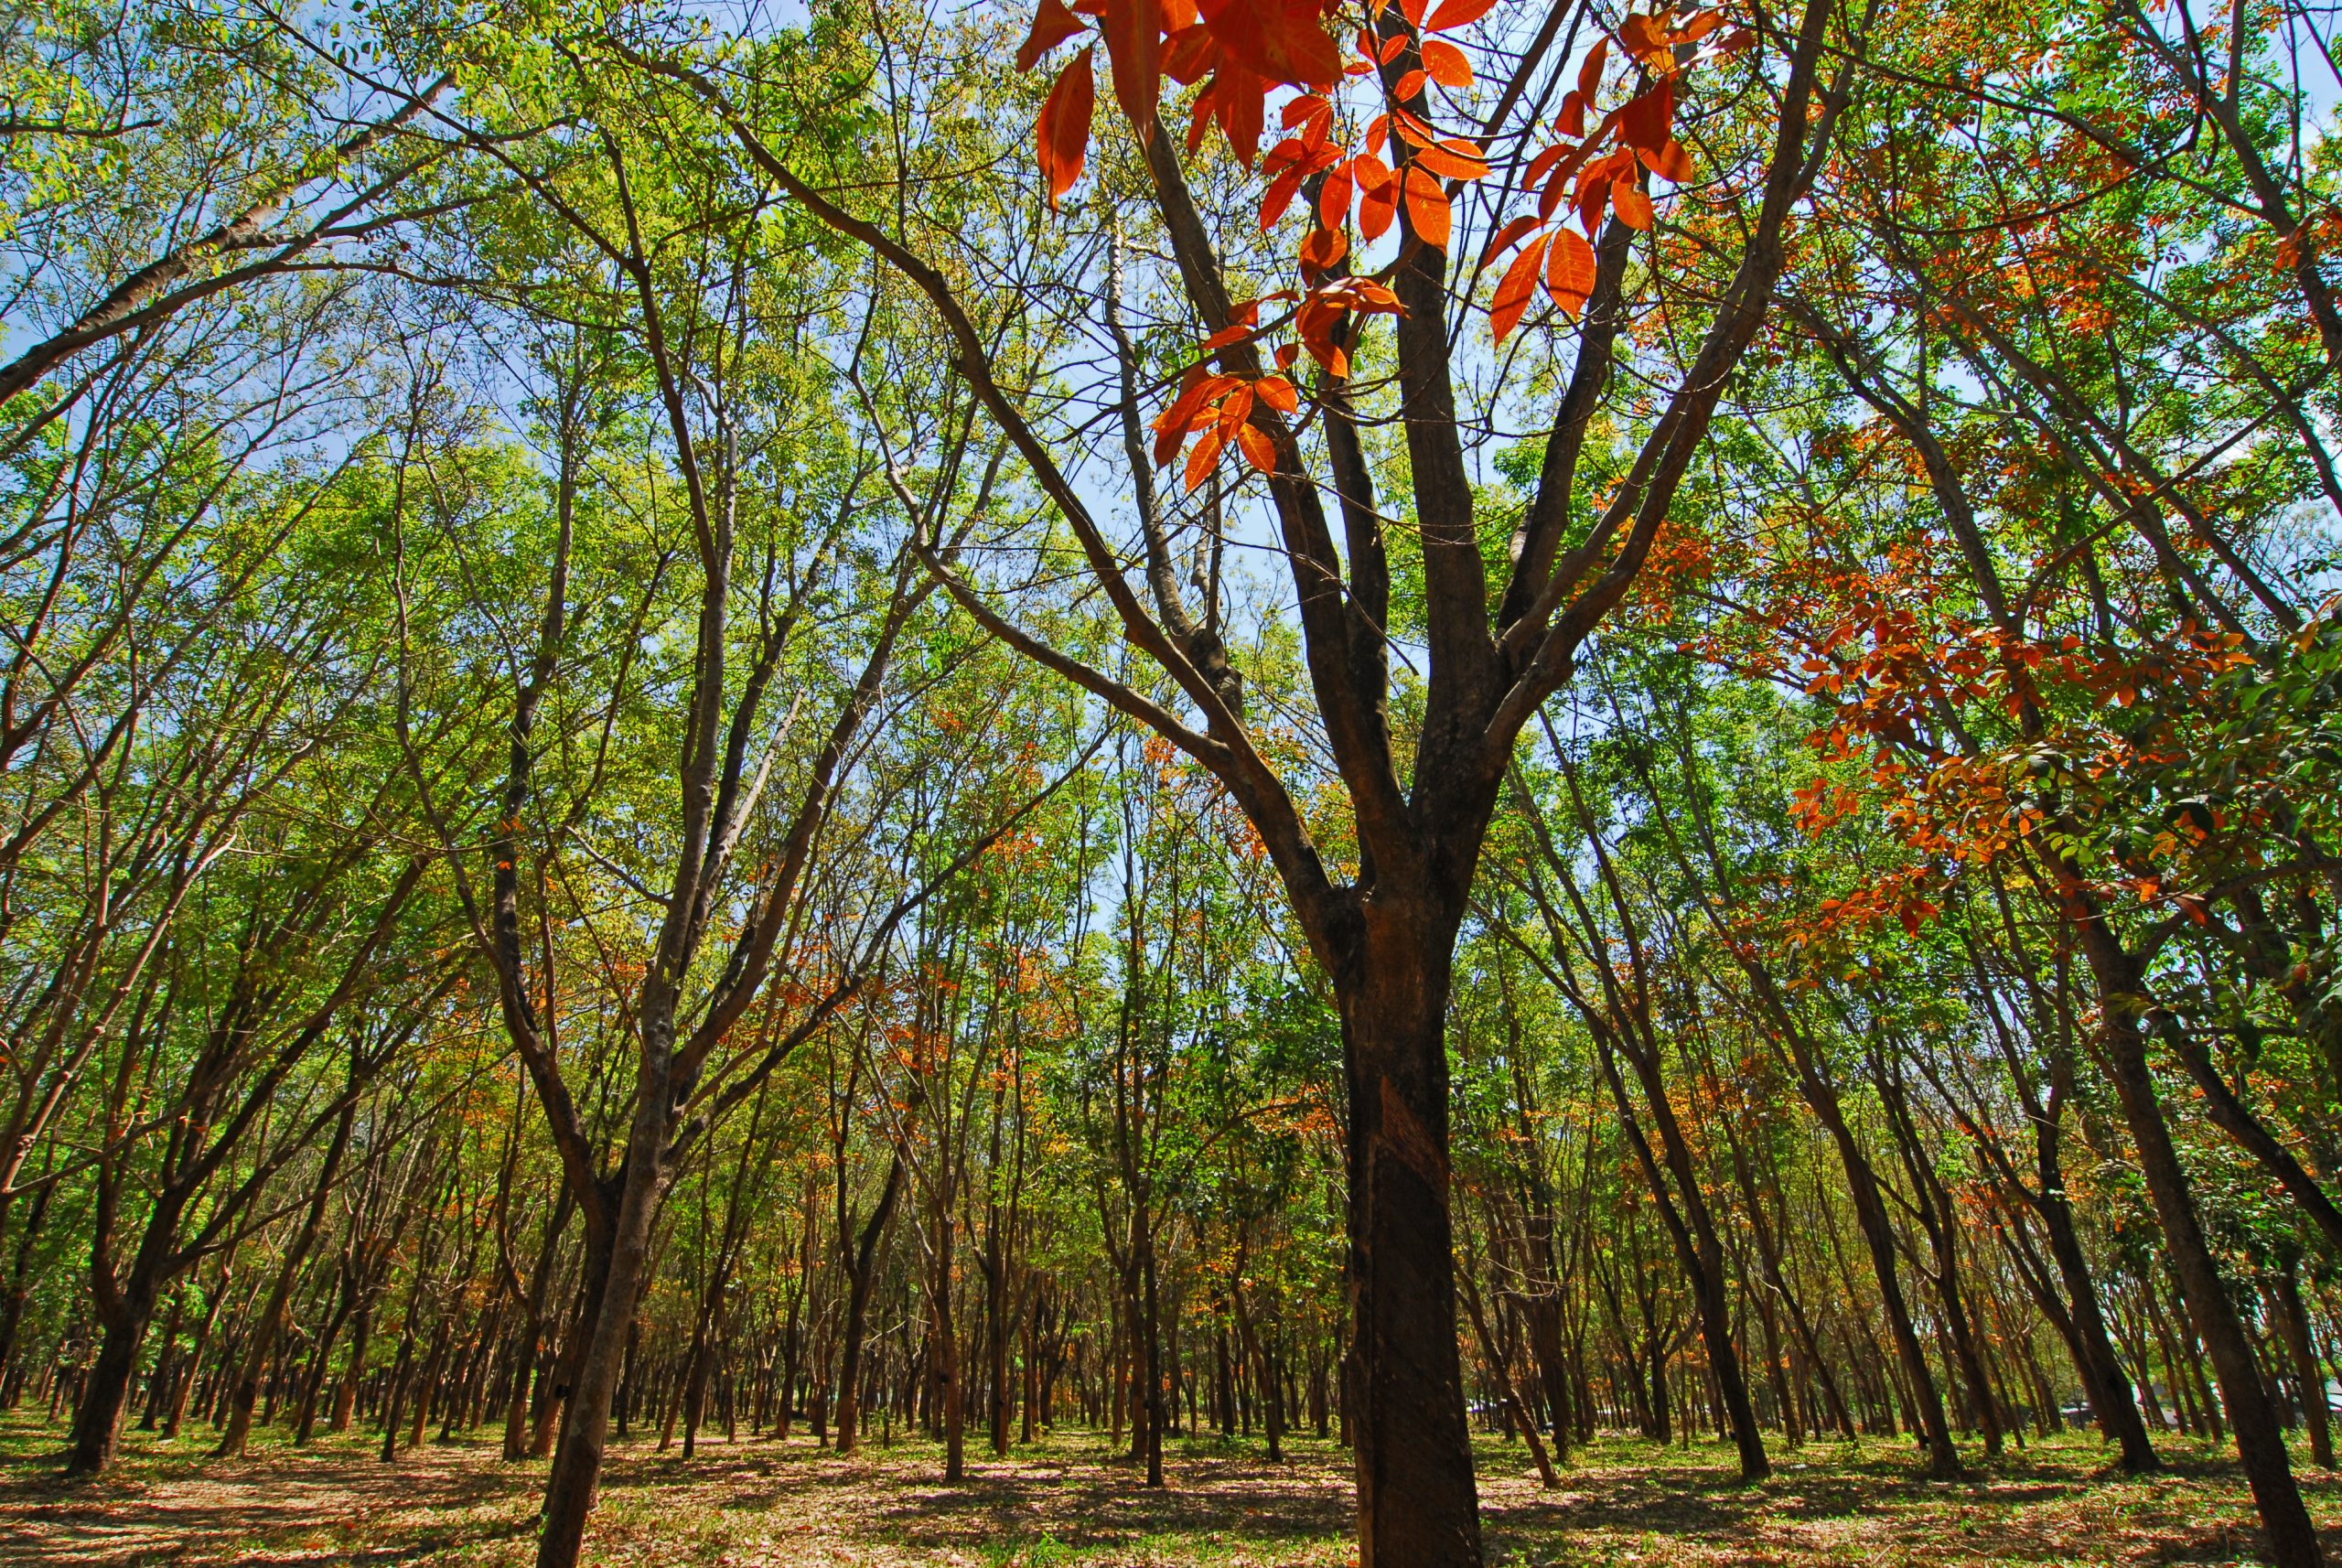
pixel 1447 159
pixel 1671 162
pixel 1507 237
pixel 1322 249
pixel 1641 35
pixel 1377 209
pixel 1427 210
pixel 1409 87
pixel 1370 172
pixel 1235 409
pixel 1446 63
pixel 1134 50
pixel 1281 41
pixel 1062 134
pixel 1541 165
pixel 1259 450
pixel 1632 205
pixel 1279 196
pixel 1518 289
pixel 1206 454
pixel 1454 14
pixel 1569 270
pixel 1052 25
pixel 1414 130
pixel 1278 393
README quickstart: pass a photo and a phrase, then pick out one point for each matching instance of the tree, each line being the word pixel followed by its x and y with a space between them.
pixel 1384 927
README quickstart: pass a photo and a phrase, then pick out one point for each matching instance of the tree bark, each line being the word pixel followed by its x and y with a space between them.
pixel 272 1315
pixel 1417 1502
pixel 2253 1418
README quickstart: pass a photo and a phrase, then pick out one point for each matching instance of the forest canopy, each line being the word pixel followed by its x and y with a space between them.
pixel 1421 723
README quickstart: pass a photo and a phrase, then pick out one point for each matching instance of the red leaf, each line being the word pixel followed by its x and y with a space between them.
pixel 1592 195
pixel 1569 270
pixel 1446 63
pixel 1333 197
pixel 1453 14
pixel 1507 237
pixel 1062 134
pixel 1644 122
pixel 1241 104
pixel 1188 54
pixel 1370 172
pixel 1377 208
pixel 1539 164
pixel 1409 87
pixel 1281 41
pixel 1589 75
pixel 1052 25
pixel 1427 210
pixel 1571 121
pixel 1280 195
pixel 1134 49
pixel 1518 289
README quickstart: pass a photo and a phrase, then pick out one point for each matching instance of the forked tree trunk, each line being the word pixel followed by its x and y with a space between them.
pixel 272 1315
pixel 862 1274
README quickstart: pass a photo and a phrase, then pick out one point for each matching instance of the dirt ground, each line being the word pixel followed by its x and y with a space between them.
pixel 1067 1501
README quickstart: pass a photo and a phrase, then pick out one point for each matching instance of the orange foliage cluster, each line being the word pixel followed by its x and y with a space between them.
pixel 1243 51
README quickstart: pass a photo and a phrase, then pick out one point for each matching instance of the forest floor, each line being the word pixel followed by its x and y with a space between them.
pixel 758 1502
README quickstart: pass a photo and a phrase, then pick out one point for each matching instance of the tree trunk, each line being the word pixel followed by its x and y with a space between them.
pixel 1417 1504
pixel 862 1274
pixel 2259 1441
pixel 577 1475
pixel 272 1315
pixel 2292 1325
